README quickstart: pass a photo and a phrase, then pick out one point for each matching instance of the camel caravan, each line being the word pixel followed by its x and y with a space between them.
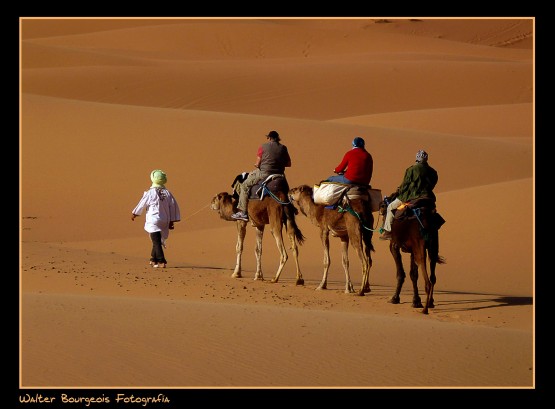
pixel 344 211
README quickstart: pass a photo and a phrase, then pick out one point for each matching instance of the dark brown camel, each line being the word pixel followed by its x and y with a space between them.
pixel 261 213
pixel 416 233
pixel 345 225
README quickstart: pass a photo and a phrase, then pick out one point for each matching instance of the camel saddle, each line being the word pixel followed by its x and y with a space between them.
pixel 274 183
pixel 421 207
pixel 366 193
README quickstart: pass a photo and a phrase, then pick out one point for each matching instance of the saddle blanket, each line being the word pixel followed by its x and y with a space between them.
pixel 274 183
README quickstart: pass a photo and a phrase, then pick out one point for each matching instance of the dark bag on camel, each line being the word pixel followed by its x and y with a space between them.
pixel 437 220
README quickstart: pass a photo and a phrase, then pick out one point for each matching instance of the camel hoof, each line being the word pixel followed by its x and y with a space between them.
pixel 236 275
pixel 394 300
pixel 258 279
pixel 425 311
pixel 273 280
pixel 360 293
pixel 300 281
pixel 417 305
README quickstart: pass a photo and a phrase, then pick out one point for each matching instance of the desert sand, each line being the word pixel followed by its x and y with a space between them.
pixel 105 101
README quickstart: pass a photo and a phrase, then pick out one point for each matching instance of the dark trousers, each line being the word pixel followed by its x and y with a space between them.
pixel 157 254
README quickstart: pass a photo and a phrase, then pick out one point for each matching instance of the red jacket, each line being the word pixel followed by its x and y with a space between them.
pixel 359 166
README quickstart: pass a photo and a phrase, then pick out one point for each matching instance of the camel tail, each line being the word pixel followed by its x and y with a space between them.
pixel 441 260
pixel 290 211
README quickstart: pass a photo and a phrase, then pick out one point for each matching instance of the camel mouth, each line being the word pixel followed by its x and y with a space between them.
pixel 215 205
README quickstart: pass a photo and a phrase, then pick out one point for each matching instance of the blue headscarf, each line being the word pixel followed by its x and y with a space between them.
pixel 358 142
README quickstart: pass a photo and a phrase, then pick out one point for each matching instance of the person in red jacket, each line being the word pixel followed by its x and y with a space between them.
pixel 356 167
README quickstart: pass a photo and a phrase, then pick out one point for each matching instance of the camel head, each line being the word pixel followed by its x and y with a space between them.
pixel 223 204
pixel 383 208
pixel 220 201
pixel 301 198
pixel 386 201
pixel 295 194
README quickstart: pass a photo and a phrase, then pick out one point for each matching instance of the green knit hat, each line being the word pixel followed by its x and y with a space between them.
pixel 158 178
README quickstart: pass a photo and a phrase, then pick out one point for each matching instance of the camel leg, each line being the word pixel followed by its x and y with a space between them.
pixel 357 244
pixel 349 288
pixel 295 250
pixel 241 232
pixel 365 286
pixel 416 301
pixel 433 283
pixel 258 252
pixel 433 254
pixel 420 259
pixel 325 237
pixel 361 240
pixel 396 252
pixel 276 230
pixel 367 237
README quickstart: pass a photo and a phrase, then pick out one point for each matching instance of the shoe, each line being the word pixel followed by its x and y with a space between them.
pixel 159 265
pixel 240 216
pixel 386 235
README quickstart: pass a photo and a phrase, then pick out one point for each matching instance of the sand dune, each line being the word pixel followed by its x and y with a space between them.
pixel 105 101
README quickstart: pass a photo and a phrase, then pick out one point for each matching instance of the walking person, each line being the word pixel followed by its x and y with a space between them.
pixel 272 157
pixel 162 211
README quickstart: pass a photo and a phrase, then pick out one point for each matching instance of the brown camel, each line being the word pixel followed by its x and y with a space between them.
pixel 353 225
pixel 263 212
pixel 414 230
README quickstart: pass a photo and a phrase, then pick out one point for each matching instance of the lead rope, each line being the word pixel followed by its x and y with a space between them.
pixel 416 212
pixel 265 188
pixel 350 210
pixel 423 230
pixel 198 211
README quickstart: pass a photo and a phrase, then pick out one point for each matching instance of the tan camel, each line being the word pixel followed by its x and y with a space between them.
pixel 263 212
pixel 348 227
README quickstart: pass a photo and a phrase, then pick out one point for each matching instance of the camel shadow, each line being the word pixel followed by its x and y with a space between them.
pixel 485 301
pixel 192 267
